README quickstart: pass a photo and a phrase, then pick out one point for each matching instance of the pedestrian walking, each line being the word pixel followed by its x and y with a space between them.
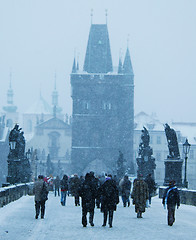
pixel 151 186
pixel 140 195
pixel 40 190
pixel 64 189
pixel 88 193
pixel 75 184
pixel 109 199
pixel 171 199
pixel 125 188
pixel 56 186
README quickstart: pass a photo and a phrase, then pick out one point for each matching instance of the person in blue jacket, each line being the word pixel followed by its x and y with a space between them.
pixel 171 198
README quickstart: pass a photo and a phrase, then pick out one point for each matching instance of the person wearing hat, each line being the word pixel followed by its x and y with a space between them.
pixel 140 195
pixel 171 198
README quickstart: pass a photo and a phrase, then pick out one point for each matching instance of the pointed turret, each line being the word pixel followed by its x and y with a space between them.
pixel 127 65
pixel 74 70
pixel 98 55
pixel 120 66
pixel 77 68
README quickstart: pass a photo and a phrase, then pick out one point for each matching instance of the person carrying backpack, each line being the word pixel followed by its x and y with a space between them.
pixel 171 198
pixel 109 199
pixel 40 189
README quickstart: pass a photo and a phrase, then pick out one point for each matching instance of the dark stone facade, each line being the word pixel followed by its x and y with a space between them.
pixel 103 113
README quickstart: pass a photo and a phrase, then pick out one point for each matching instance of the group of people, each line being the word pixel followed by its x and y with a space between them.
pixel 104 193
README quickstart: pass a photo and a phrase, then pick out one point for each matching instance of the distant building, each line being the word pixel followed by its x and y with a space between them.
pixel 103 108
pixel 52 137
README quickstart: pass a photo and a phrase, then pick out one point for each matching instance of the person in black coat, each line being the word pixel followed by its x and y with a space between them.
pixel 151 186
pixel 109 199
pixel 87 192
pixel 171 198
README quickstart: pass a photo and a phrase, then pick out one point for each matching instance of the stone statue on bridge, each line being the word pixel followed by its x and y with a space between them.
pixel 172 142
pixel 144 149
pixel 16 137
pixel 145 161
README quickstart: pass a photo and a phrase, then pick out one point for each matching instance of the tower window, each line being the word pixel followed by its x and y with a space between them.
pixel 107 106
pixel 86 105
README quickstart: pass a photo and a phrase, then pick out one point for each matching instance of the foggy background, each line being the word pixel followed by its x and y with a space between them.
pixel 39 37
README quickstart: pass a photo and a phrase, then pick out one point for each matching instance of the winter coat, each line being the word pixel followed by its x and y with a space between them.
pixel 109 195
pixel 75 184
pixel 140 194
pixel 38 189
pixel 87 192
pixel 57 182
pixel 151 184
pixel 173 197
pixel 125 187
pixel 64 185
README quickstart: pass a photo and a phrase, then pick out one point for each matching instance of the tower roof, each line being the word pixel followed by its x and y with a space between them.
pixel 74 70
pixel 127 66
pixel 98 55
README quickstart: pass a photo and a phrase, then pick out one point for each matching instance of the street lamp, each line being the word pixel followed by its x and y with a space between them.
pixel 36 159
pixel 186 149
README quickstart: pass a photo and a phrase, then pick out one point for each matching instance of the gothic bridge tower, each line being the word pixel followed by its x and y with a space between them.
pixel 103 107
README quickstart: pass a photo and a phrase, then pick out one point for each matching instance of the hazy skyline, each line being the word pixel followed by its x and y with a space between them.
pixel 39 38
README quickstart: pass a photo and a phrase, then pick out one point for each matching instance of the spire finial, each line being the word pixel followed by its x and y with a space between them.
pixel 55 80
pixel 106 15
pixel 91 16
pixel 128 37
pixel 10 78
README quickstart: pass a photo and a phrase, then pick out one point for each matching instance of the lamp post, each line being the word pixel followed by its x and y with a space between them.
pixel 36 160
pixel 186 149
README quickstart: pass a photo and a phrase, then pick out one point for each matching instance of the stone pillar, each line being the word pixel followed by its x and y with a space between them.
pixel 173 171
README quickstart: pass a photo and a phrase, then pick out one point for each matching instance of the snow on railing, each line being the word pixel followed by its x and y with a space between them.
pixel 14 192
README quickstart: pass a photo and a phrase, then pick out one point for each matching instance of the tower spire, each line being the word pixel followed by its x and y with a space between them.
pixel 106 16
pixel 10 102
pixel 74 66
pixel 91 16
pixel 127 65
pixel 120 66
pixel 55 93
pixel 10 79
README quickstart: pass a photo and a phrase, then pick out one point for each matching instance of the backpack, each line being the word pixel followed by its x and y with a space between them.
pixel 44 193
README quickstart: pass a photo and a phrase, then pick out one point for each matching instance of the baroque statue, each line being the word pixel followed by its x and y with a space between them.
pixel 172 142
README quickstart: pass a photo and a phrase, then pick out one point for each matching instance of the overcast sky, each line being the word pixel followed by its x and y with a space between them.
pixel 39 37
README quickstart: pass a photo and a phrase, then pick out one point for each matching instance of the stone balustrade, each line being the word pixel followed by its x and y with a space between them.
pixel 14 192
pixel 187 196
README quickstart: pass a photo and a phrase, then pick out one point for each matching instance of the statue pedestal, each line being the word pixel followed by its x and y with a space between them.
pixel 173 171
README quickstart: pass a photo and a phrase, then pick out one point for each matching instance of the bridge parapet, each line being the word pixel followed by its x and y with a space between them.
pixel 14 192
pixel 187 196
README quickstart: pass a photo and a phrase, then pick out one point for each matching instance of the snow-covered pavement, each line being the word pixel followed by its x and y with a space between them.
pixel 17 221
